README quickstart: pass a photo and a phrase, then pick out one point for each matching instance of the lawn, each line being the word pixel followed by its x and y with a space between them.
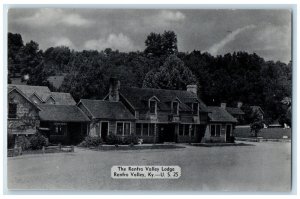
pixel 260 167
pixel 268 133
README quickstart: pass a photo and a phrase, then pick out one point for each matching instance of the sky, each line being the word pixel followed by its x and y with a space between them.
pixel 264 32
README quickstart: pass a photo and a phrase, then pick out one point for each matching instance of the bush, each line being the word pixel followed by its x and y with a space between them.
pixel 90 141
pixel 10 141
pixel 113 139
pixel 131 139
pixel 37 141
pixel 23 142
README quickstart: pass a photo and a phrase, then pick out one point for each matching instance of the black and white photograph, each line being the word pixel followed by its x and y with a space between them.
pixel 149 100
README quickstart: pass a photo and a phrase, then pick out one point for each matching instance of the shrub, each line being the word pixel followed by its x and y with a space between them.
pixel 131 139
pixel 37 141
pixel 10 141
pixel 23 142
pixel 90 141
pixel 113 139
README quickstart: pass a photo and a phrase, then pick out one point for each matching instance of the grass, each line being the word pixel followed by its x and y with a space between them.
pixel 269 133
pixel 135 147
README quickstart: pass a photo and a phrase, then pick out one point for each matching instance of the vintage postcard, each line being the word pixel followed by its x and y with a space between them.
pixel 153 100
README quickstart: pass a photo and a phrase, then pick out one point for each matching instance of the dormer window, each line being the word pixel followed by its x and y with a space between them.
pixel 153 106
pixel 195 108
pixel 175 108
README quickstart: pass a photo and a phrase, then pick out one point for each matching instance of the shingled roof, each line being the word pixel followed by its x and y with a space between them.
pixel 42 92
pixel 107 110
pixel 62 113
pixel 218 114
pixel 63 98
pixel 138 97
pixel 235 111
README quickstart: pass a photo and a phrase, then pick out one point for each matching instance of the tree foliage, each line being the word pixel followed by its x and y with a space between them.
pixel 233 77
pixel 173 74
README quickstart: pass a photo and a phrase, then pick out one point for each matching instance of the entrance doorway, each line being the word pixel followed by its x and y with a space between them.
pixel 104 131
pixel 167 133
pixel 228 133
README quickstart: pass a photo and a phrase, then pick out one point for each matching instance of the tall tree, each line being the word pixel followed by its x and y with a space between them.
pixel 172 75
pixel 158 45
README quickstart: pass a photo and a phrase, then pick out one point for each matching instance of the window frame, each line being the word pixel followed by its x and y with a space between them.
pixel 215 126
pixel 123 128
pixel 195 112
pixel 155 107
pixel 177 108
pixel 15 108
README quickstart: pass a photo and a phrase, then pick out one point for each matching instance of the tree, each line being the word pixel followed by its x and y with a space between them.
pixel 172 75
pixel 15 44
pixel 257 124
pixel 158 45
pixel 31 57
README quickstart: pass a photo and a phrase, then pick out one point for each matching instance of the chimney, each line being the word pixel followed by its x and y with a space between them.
pixel 114 86
pixel 223 105
pixel 192 88
pixel 239 104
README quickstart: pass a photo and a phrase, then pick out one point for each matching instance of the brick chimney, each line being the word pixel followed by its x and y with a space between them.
pixel 114 87
pixel 192 88
pixel 223 105
pixel 239 104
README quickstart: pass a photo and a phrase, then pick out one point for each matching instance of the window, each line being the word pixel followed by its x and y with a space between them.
pixel 126 128
pixel 152 129
pixel 60 129
pixel 215 130
pixel 145 129
pixel 123 128
pixel 212 130
pixel 119 128
pixel 195 108
pixel 138 129
pixel 186 129
pixel 152 106
pixel 12 110
pixel 175 108
pixel 181 129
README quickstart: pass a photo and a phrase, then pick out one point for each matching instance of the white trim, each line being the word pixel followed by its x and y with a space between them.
pixel 101 127
pixel 172 107
pixel 151 100
pixel 123 127
pixel 49 98
pixel 37 97
pixel 93 117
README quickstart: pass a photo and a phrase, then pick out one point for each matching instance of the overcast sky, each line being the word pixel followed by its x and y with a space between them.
pixel 265 32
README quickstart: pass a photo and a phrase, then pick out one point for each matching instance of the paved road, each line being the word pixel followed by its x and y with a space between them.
pixel 262 167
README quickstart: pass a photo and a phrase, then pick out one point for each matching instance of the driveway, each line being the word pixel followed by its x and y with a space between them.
pixel 261 167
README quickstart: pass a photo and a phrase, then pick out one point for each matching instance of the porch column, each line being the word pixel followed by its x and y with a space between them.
pixel 155 132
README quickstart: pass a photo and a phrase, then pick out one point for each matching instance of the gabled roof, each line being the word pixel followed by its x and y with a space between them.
pixel 10 89
pixel 107 110
pixel 63 98
pixel 218 114
pixel 56 80
pixel 138 97
pixel 62 113
pixel 235 111
pixel 256 108
pixel 42 92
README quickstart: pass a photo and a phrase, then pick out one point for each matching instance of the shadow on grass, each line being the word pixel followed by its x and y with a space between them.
pixel 220 144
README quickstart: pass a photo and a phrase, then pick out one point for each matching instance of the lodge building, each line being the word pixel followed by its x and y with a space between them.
pixel 154 115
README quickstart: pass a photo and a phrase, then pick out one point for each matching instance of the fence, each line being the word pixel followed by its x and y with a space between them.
pixel 17 151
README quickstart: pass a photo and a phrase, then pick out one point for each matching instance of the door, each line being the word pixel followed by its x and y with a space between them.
pixel 167 132
pixel 104 130
pixel 228 133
